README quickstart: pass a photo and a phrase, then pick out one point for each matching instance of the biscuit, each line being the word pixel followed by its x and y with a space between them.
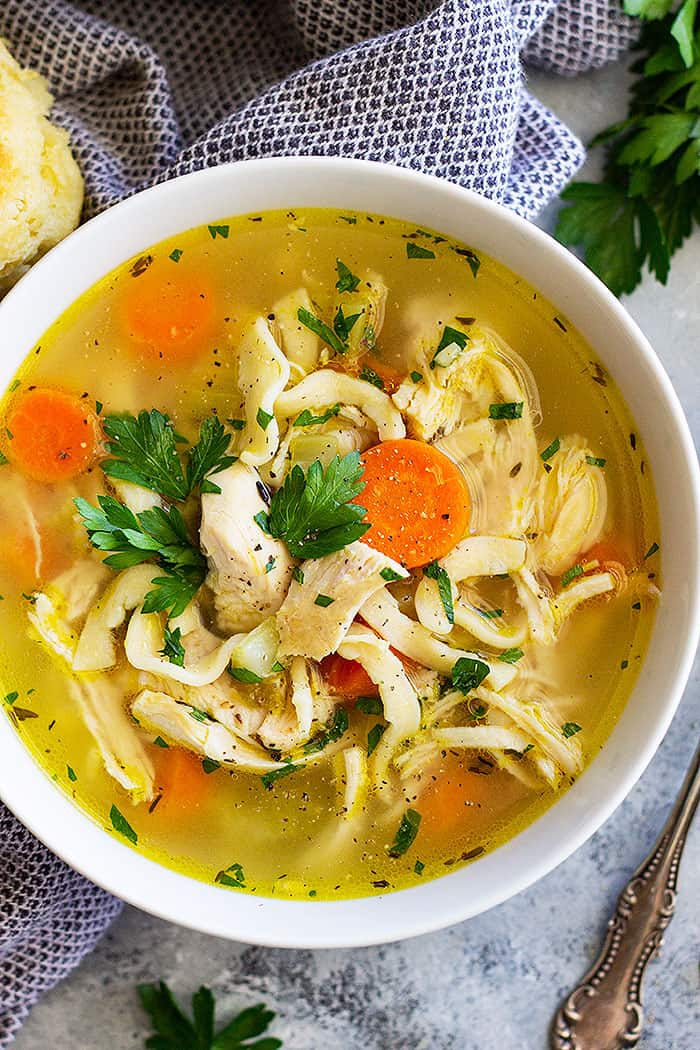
pixel 41 188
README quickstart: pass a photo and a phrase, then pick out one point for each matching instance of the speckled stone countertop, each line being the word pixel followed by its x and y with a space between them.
pixel 491 983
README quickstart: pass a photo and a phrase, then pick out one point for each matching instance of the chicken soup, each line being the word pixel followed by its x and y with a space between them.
pixel 329 554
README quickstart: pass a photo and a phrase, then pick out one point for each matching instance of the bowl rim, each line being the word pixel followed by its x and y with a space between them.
pixel 74 836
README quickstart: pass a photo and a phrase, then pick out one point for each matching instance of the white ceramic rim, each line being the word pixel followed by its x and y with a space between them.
pixel 249 186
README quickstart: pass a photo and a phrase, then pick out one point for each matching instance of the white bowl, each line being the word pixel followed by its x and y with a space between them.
pixel 251 186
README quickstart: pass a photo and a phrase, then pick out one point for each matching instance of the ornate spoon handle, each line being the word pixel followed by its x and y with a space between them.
pixel 605 1011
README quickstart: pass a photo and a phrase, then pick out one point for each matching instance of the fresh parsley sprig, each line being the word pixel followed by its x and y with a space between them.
pixel 144 450
pixel 312 512
pixel 649 198
pixel 152 535
pixel 173 1029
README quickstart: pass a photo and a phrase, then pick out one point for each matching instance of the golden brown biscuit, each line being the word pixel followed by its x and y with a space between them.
pixel 41 188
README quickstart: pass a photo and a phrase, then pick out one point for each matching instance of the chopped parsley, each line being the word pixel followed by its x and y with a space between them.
pixel 210 765
pixel 347 281
pixel 244 674
pixel 419 867
pixel 406 833
pixel 343 326
pixel 551 450
pixel 298 574
pixel 490 614
pixel 452 343
pixel 370 376
pixel 313 512
pixel 270 563
pixel 390 575
pixel 233 876
pixel 307 419
pixel 416 376
pixel 173 648
pixel 337 728
pixel 624 665
pixel 274 775
pixel 571 574
pixel 159 742
pixel 374 736
pixel 236 424
pixel 468 673
pixel 417 251
pixel 322 330
pixel 263 418
pixel 570 729
pixel 72 775
pixel 324 600
pixel 262 520
pixel 10 698
pixel 122 826
pixel 652 551
pixel 369 705
pixel 218 231
pixel 199 716
pixel 506 410
pixel 511 656
pixel 434 571
pixel 595 461
pixel 3 459
pixel 176 255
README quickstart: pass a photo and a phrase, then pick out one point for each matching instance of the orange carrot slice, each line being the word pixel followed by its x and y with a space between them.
pixel 417 501
pixel 182 780
pixel 347 678
pixel 168 317
pixel 452 798
pixel 51 435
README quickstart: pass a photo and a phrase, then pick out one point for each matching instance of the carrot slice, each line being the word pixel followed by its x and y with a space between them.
pixel 417 501
pixel 169 317
pixel 390 377
pixel 51 435
pixel 452 798
pixel 182 780
pixel 347 678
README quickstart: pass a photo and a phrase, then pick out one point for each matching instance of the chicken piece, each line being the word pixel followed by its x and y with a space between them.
pixel 316 614
pixel 101 702
pixel 327 387
pixel 249 571
pixel 301 346
pixel 263 373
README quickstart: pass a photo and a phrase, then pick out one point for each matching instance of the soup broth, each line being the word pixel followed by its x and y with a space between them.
pixel 321 775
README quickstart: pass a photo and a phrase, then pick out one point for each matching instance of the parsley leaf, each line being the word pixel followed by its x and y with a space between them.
pixel 306 419
pixel 374 736
pixel 342 325
pixel 122 826
pixel 173 1029
pixel 322 330
pixel 312 512
pixel 337 728
pixel 347 281
pixel 152 535
pixel 406 834
pixel 370 376
pixel 434 571
pixel 570 729
pixel 417 251
pixel 468 673
pixel 646 205
pixel 451 344
pixel 144 452
pixel 173 648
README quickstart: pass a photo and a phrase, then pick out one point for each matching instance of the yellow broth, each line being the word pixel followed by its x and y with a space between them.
pixel 289 840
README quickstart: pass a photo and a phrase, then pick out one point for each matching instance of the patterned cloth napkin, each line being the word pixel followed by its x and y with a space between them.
pixel 169 86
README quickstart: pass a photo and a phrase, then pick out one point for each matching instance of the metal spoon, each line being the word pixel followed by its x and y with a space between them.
pixel 604 1012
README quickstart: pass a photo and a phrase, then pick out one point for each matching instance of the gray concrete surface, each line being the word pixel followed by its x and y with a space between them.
pixel 491 983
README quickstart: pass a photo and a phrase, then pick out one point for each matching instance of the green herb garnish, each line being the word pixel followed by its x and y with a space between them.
pixel 322 330
pixel 490 614
pixel 10 698
pixel 122 825
pixel 406 834
pixel 468 673
pixel 506 410
pixel 370 376
pixel 72 775
pixel 323 600
pixel 369 705
pixel 452 343
pixel 263 418
pixel 175 1031
pixel 570 729
pixel 307 419
pixel 338 726
pixel 551 450
pixel 313 514
pixel 651 552
pixel 298 574
pixel 154 534
pixel 595 461
pixel 173 649
pixel 416 376
pixel 390 575
pixel 262 520
pixel 347 281
pixel 210 765
pixel 274 775
pixel 374 736
pixel 176 255
pixel 159 742
pixel 571 574
pixel 218 231
pixel 417 251
pixel 419 867
pixel 434 571
pixel 511 656
pixel 236 424
pixel 244 674
pixel 232 876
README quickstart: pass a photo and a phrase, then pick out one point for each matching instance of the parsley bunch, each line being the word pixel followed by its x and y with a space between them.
pixel 175 1031
pixel 649 199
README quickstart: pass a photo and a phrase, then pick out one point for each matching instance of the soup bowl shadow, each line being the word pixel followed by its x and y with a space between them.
pixel 205 197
